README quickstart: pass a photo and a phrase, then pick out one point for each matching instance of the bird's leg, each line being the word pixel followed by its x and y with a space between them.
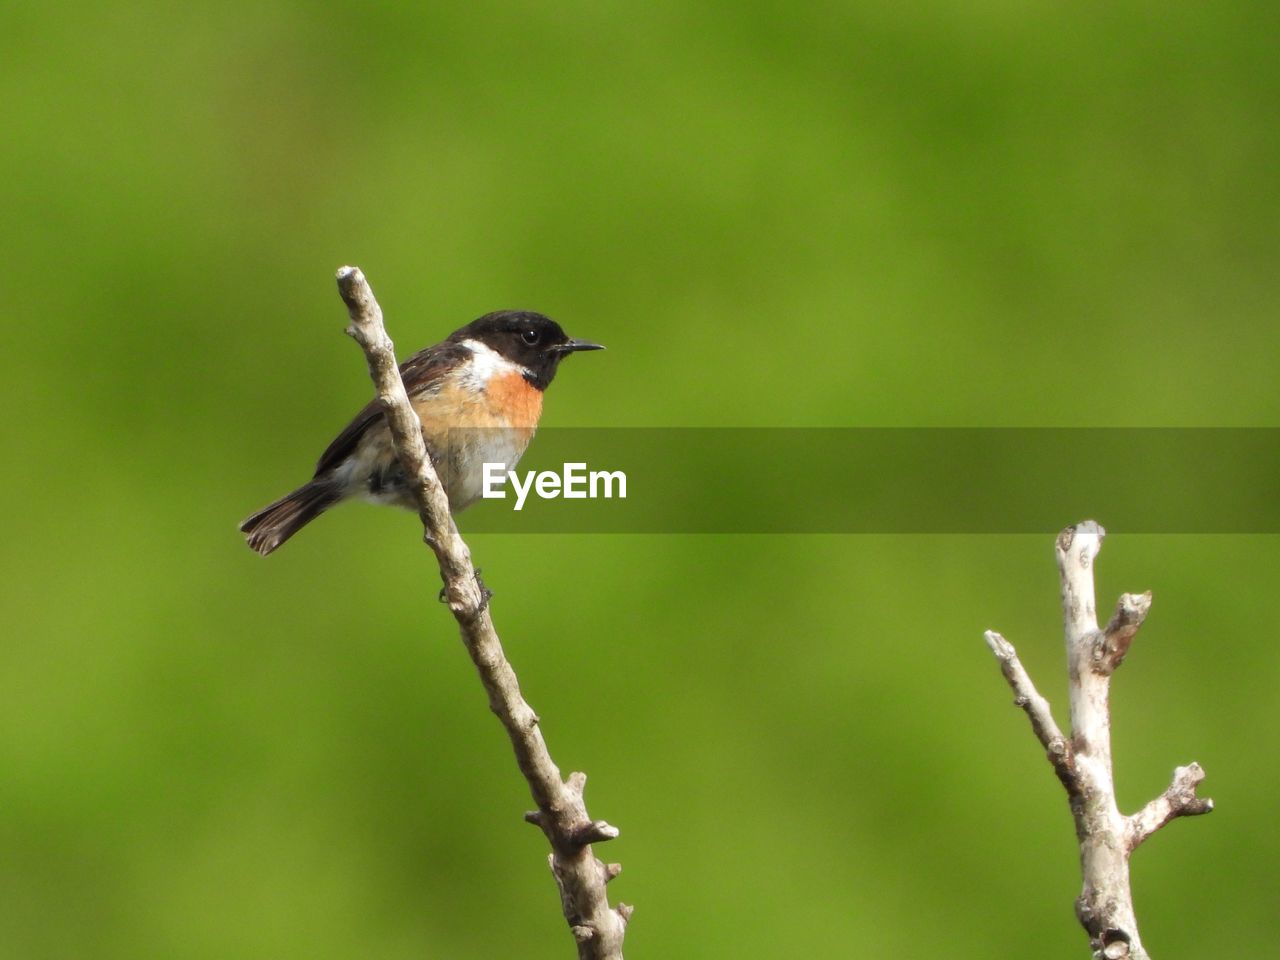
pixel 485 594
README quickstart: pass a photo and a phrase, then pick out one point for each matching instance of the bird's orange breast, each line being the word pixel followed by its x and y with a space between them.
pixel 507 401
pixel 515 399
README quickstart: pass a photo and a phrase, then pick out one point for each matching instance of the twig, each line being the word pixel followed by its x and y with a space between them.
pixel 1107 838
pixel 1179 800
pixel 1026 696
pixel 562 815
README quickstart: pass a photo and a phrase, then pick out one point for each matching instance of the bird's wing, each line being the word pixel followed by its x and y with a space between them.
pixel 419 373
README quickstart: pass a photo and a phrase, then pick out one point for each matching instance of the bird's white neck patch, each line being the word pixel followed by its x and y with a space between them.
pixel 487 362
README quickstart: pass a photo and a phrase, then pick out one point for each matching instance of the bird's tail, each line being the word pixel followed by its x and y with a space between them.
pixel 277 522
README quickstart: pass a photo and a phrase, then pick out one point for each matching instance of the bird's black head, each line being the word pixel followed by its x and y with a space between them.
pixel 529 339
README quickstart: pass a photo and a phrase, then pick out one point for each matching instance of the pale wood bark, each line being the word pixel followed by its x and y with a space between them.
pixel 1083 763
pixel 561 813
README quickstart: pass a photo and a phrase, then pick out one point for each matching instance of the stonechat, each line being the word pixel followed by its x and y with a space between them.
pixel 478 395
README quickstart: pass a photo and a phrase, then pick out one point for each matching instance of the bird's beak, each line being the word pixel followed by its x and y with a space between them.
pixel 573 346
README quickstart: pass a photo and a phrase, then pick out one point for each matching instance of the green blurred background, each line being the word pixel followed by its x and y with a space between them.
pixel 874 214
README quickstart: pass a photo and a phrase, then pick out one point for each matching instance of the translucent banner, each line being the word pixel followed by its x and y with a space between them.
pixel 655 480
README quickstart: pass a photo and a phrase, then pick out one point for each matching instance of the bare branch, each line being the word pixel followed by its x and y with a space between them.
pixel 1105 904
pixel 561 815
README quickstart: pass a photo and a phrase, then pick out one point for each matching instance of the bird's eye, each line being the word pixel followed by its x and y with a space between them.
pixel 530 337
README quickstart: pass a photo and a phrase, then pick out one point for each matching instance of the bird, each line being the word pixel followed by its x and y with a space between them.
pixel 478 394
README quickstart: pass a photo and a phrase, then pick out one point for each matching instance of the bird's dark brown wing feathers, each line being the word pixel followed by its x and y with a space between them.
pixel 418 372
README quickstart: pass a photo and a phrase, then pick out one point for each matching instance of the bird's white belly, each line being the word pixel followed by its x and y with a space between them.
pixel 462 472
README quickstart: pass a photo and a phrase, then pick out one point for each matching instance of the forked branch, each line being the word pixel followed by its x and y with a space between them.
pixel 1083 764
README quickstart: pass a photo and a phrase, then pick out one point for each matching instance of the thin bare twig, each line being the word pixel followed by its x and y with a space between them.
pixel 1131 611
pixel 1178 800
pixel 597 928
pixel 1107 838
pixel 1057 747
